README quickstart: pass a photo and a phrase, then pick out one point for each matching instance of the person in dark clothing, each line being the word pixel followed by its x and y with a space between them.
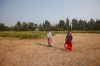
pixel 68 41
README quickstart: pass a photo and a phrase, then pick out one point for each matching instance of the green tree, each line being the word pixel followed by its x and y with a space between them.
pixel 75 25
pixel 61 25
pixel 40 27
pixel 97 25
pixel 25 26
pixel 31 26
pixel 67 26
pixel 18 26
pixel 91 24
pixel 47 25
pixel 55 27
pixel 82 25
pixel 85 25
pixel 35 26
pixel 2 27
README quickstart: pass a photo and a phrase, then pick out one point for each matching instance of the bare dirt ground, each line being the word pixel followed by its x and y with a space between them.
pixel 28 52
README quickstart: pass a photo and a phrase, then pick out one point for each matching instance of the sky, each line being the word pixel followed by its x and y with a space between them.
pixel 38 11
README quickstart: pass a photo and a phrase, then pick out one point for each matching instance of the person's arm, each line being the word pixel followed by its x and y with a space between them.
pixel 66 38
pixel 71 35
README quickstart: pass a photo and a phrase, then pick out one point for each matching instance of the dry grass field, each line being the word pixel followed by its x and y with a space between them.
pixel 33 52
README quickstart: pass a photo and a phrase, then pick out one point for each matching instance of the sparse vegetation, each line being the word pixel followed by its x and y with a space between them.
pixel 38 34
pixel 23 35
pixel 33 52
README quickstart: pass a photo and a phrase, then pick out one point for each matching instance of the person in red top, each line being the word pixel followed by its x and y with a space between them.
pixel 68 39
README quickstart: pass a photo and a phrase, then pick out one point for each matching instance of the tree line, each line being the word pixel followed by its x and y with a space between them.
pixel 61 26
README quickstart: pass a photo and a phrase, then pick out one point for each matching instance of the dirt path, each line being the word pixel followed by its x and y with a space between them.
pixel 28 52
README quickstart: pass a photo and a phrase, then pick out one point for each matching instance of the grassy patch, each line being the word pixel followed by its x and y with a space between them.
pixel 23 35
pixel 86 31
pixel 77 31
pixel 38 34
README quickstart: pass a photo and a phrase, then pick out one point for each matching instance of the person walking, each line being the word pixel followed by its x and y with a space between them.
pixel 68 41
pixel 49 38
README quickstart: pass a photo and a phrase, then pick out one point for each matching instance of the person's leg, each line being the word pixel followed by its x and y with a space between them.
pixel 49 43
pixel 65 45
pixel 69 46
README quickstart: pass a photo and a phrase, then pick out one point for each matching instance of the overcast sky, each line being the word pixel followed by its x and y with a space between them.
pixel 38 11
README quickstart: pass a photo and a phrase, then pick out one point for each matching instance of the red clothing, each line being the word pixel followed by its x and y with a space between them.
pixel 68 45
pixel 49 40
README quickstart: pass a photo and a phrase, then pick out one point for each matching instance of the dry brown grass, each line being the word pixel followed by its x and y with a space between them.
pixel 27 52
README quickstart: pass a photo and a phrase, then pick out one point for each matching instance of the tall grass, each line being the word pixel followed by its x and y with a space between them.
pixel 24 35
pixel 86 31
pixel 38 34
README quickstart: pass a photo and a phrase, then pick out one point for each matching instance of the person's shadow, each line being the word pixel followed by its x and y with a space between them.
pixel 51 47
